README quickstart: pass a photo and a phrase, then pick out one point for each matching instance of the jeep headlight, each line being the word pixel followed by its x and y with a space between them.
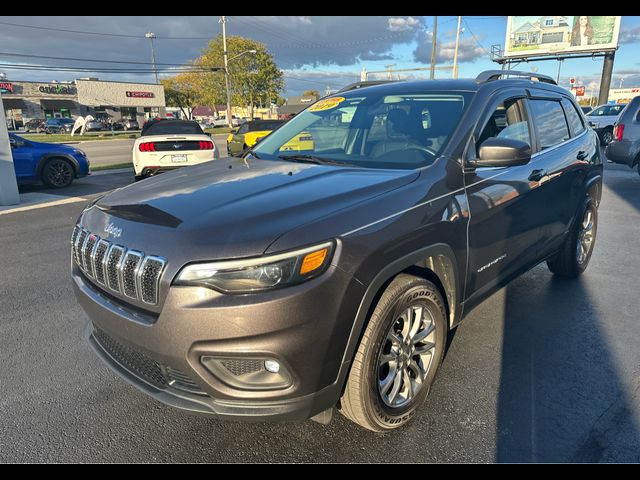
pixel 259 274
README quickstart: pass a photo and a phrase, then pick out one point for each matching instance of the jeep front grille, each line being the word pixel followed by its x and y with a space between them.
pixel 116 268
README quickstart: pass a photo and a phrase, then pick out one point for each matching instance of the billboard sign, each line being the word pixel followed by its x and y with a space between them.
pixel 530 36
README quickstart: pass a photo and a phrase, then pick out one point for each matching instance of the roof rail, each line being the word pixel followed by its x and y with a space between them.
pixel 364 84
pixel 489 75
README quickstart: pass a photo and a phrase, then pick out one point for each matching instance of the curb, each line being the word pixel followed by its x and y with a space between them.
pixel 111 171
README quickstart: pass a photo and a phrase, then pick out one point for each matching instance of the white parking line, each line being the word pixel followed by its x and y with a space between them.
pixel 34 201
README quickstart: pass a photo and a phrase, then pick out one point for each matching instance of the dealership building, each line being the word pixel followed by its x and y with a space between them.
pixel 24 101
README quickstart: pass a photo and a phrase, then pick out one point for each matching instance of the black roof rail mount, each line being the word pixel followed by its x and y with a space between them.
pixel 490 75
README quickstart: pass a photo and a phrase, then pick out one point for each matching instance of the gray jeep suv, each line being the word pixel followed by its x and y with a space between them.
pixel 328 273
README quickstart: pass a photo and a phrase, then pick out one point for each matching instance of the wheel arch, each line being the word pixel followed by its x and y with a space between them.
pixel 436 263
pixel 50 156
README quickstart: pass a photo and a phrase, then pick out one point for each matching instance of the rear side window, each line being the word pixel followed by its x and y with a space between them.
pixel 575 122
pixel 550 121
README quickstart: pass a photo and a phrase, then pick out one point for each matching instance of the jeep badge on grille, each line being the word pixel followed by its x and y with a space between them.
pixel 112 230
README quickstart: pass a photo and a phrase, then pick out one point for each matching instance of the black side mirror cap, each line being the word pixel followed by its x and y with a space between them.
pixel 503 152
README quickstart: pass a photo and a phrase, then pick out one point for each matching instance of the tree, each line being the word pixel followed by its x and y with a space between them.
pixel 181 91
pixel 311 93
pixel 255 78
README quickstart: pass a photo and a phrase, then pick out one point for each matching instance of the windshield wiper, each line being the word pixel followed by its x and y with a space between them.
pixel 313 159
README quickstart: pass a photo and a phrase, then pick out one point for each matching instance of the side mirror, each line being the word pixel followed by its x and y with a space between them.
pixel 503 152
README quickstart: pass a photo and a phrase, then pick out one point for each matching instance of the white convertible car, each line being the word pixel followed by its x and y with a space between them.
pixel 169 144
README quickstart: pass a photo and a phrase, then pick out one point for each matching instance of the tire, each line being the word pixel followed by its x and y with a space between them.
pixel 369 399
pixel 58 173
pixel 606 137
pixel 573 258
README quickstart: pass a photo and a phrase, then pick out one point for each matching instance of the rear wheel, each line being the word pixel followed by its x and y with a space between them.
pixel 58 173
pixel 398 356
pixel 573 258
pixel 606 137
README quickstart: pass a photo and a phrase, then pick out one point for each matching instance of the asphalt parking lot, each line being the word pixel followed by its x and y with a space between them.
pixel 546 370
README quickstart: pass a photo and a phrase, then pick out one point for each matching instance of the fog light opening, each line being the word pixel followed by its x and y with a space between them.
pixel 271 366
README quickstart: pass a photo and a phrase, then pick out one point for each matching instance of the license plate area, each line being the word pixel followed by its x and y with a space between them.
pixel 178 158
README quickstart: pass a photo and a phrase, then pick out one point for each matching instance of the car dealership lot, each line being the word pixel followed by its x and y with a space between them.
pixel 545 370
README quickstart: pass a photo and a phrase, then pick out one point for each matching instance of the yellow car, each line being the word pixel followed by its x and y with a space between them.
pixel 249 133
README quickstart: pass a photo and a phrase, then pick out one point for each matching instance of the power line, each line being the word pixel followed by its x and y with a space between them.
pixel 53 68
pixel 99 34
pixel 476 39
pixel 22 55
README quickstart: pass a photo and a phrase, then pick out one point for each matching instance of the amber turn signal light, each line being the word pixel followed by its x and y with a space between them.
pixel 313 261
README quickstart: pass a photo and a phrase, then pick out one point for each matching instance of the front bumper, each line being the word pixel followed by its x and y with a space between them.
pixel 305 327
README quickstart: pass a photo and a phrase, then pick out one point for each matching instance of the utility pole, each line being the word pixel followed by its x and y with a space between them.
pixel 433 48
pixel 151 36
pixel 605 83
pixel 389 70
pixel 559 65
pixel 455 54
pixel 223 20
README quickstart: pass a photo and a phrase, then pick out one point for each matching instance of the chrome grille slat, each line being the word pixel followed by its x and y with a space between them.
pixel 114 258
pixel 87 252
pixel 99 256
pixel 121 270
pixel 82 236
pixel 128 273
pixel 149 279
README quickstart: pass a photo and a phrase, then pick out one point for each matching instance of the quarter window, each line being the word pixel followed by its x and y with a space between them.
pixel 551 124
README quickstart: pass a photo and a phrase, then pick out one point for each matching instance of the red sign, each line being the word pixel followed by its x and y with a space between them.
pixel 140 94
pixel 6 87
pixel 579 91
pixel 572 81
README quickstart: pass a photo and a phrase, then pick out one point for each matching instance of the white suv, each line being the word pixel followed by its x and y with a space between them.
pixel 169 144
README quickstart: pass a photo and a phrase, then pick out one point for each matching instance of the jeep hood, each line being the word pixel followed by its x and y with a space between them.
pixel 231 208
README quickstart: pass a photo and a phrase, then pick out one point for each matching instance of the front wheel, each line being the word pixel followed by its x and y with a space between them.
pixel 398 356
pixel 573 258
pixel 58 173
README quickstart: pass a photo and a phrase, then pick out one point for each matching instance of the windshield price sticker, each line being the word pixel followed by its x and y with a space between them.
pixel 326 104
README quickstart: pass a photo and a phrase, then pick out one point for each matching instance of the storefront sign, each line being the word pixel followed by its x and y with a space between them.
pixel 6 87
pixel 57 89
pixel 140 94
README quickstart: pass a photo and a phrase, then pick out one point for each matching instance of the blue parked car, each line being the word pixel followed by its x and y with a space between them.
pixel 53 164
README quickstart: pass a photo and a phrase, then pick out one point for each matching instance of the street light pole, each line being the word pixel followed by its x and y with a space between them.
pixel 151 36
pixel 223 20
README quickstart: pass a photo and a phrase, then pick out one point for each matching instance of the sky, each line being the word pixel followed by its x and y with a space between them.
pixel 314 52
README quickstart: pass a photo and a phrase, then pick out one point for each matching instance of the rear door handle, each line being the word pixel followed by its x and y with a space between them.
pixel 537 175
pixel 582 155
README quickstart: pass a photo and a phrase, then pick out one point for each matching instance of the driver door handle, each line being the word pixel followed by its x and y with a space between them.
pixel 537 175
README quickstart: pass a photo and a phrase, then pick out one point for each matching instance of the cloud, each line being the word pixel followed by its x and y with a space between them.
pixel 403 24
pixel 630 35
pixel 468 50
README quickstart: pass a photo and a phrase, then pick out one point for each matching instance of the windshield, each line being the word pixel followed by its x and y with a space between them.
pixel 607 110
pixel 369 129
